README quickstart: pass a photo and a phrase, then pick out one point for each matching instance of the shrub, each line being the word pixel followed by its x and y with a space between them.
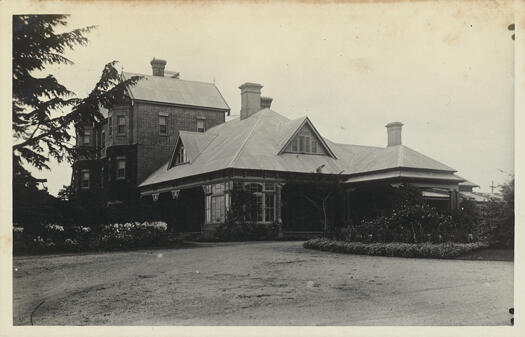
pixel 444 250
pixel 245 231
pixel 55 238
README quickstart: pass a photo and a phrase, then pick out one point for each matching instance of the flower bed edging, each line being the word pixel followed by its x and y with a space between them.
pixel 446 250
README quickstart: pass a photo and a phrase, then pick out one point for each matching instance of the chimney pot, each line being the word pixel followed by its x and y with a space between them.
pixel 394 133
pixel 250 99
pixel 157 67
pixel 266 102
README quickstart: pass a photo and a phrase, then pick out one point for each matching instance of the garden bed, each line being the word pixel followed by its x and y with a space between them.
pixel 446 250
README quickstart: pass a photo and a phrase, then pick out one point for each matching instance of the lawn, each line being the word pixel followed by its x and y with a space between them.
pixel 258 283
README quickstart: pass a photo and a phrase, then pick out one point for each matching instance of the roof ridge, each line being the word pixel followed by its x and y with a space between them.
pixel 236 156
pixel 168 78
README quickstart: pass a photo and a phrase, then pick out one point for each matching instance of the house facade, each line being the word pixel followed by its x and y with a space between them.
pixel 134 139
pixel 291 175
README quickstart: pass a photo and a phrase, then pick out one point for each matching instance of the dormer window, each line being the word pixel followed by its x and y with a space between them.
pixel 181 156
pixel 306 140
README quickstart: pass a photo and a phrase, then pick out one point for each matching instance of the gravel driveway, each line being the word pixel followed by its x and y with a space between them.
pixel 269 283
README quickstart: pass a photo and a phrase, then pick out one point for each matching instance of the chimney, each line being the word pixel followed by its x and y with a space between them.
pixel 157 67
pixel 266 102
pixel 394 133
pixel 250 99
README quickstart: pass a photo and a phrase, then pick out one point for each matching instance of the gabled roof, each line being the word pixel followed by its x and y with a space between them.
pixel 194 143
pixel 295 126
pixel 176 91
pixel 255 143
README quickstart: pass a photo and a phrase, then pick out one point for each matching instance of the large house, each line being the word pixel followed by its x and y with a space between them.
pixel 171 146
pixel 280 162
pixel 134 139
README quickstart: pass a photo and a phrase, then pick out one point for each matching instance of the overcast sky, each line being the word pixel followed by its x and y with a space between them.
pixel 443 69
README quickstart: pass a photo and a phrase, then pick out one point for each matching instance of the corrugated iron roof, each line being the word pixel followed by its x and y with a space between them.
pixel 254 143
pixel 176 91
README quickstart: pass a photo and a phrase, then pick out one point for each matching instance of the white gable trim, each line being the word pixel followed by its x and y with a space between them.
pixel 171 164
pixel 316 133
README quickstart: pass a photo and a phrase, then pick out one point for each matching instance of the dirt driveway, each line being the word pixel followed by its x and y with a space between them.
pixel 270 283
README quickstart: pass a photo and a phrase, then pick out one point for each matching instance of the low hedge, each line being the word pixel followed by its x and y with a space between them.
pixel 446 250
pixel 52 238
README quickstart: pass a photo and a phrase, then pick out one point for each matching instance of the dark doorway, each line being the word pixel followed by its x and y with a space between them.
pixel 188 210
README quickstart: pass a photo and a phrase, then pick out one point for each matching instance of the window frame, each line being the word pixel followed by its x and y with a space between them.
pixel 203 121
pixel 118 169
pixel 87 132
pixel 82 180
pixel 124 125
pixel 163 117
pixel 110 126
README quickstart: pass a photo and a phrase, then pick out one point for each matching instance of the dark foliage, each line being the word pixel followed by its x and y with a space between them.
pixel 412 220
pixel 118 236
pixel 499 217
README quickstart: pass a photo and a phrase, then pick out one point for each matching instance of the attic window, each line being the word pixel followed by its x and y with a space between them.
pixel 180 156
pixel 305 142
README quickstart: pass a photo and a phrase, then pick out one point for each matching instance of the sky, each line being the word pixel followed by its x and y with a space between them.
pixel 443 69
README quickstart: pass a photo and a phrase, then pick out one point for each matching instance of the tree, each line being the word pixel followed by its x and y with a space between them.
pixel 38 133
pixel 41 126
pixel 44 110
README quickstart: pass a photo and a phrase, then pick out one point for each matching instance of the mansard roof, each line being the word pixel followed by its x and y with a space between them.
pixel 256 143
pixel 175 91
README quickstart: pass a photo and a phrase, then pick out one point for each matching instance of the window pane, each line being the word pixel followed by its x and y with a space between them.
pixel 269 207
pixel 162 125
pixel 121 168
pixel 301 143
pixel 314 146
pixel 294 145
pixel 200 125
pixel 307 143
pixel 121 124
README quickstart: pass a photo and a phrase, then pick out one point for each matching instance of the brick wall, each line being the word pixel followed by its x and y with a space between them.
pixel 155 149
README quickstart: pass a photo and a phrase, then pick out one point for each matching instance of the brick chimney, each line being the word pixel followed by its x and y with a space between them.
pixel 157 67
pixel 394 133
pixel 250 99
pixel 266 102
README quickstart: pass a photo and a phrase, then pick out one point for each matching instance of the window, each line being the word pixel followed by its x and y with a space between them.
pixel 121 124
pixel 307 144
pixel 110 126
pixel 294 144
pixel 306 141
pixel 84 180
pixel 217 201
pixel 121 168
pixel 103 138
pixel 163 127
pixel 86 138
pixel 314 146
pixel 201 124
pixel 181 156
pixel 269 206
pixel 217 208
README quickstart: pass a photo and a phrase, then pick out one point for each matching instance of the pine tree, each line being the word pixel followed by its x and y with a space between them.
pixel 41 122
